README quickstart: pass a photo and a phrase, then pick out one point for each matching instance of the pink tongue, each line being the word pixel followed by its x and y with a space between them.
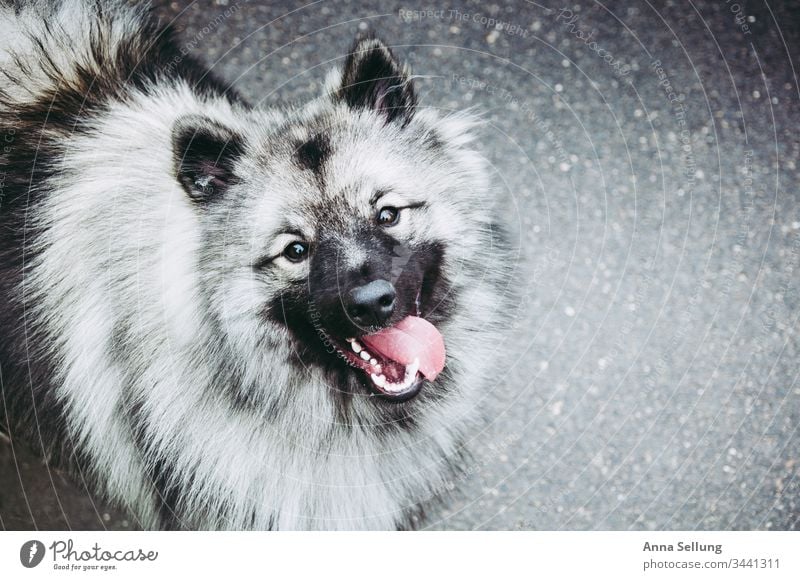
pixel 411 338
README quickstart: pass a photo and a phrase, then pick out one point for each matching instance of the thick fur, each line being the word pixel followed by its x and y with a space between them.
pixel 152 340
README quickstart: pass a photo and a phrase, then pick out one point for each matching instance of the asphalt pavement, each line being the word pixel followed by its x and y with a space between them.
pixel 646 159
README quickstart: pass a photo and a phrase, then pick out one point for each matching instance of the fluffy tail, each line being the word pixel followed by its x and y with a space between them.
pixel 73 46
pixel 85 53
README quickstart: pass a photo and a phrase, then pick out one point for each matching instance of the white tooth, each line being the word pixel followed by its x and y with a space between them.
pixel 373 361
pixel 412 369
pixel 364 355
pixel 356 347
pixel 379 380
pixel 378 368
pixel 350 339
pixel 411 374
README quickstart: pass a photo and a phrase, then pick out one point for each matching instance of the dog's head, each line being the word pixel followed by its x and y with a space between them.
pixel 346 232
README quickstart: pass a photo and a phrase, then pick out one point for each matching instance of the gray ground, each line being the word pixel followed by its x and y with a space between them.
pixel 652 380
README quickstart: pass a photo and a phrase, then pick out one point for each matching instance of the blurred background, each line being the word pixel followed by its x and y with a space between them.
pixel 646 158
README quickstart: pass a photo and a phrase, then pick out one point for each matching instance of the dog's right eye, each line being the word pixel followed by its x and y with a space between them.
pixel 388 216
pixel 296 252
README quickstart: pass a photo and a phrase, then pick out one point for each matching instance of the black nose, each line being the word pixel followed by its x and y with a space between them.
pixel 371 304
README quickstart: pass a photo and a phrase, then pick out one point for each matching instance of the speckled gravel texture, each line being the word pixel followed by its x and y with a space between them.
pixel 646 157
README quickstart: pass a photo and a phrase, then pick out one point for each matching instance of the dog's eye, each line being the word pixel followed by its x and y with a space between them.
pixel 296 251
pixel 388 216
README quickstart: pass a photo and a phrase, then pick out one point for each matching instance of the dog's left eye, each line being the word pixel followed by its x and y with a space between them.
pixel 296 251
pixel 388 216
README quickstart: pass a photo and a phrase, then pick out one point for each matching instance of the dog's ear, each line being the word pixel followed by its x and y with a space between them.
pixel 374 79
pixel 205 153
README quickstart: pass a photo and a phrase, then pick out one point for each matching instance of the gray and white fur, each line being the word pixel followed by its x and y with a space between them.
pixel 156 338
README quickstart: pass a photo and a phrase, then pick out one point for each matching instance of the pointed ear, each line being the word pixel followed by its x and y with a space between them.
pixel 205 153
pixel 374 79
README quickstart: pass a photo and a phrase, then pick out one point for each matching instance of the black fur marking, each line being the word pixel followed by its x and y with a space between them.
pixel 437 298
pixel 205 155
pixel 433 141
pixel 293 310
pixel 166 491
pixel 168 494
pixel 313 153
pixel 242 400
pixel 374 79
pixel 31 410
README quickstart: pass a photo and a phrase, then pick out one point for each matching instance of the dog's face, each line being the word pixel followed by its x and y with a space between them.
pixel 334 234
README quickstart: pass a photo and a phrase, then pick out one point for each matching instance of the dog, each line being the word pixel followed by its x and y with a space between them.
pixel 225 317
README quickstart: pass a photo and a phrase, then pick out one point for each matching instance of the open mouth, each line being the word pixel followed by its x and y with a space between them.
pixel 399 358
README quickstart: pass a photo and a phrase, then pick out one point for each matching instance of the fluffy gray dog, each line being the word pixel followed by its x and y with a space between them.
pixel 231 318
